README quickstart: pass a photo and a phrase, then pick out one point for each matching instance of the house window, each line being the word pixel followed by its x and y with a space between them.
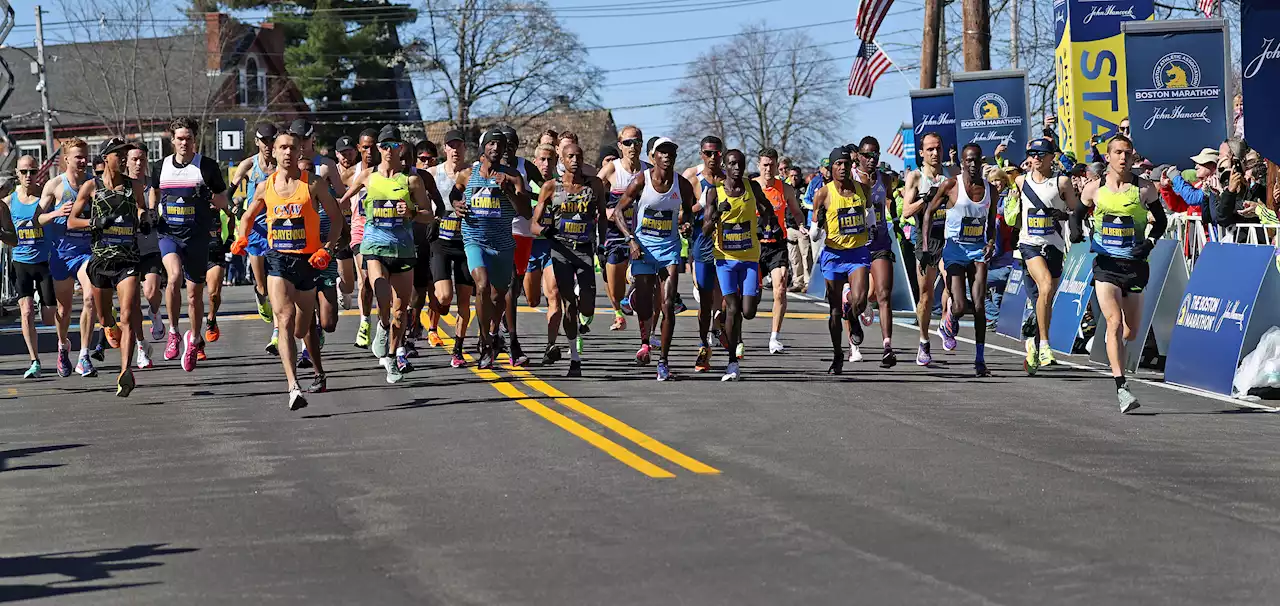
pixel 34 150
pixel 253 84
pixel 155 149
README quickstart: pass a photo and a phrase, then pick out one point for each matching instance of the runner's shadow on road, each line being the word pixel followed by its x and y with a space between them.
pixel 1225 411
pixel 78 567
pixel 418 403
pixel 18 453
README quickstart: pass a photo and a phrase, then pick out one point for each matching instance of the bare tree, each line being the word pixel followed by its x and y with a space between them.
pixel 501 58
pixel 761 89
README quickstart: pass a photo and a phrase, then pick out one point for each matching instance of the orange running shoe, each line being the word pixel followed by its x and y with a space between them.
pixel 113 336
pixel 434 339
pixel 200 352
pixel 211 332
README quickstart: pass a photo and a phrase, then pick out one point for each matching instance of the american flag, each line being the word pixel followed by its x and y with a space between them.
pixel 1206 7
pixel 895 148
pixel 867 68
pixel 871 14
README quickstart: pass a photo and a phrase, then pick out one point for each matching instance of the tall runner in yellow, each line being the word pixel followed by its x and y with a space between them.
pixel 292 199
pixel 847 220
pixel 731 213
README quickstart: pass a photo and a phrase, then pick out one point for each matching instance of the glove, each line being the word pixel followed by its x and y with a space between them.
pixel 144 225
pixel 320 259
pixel 239 247
pixel 1143 249
pixel 1076 237
pixel 1060 215
pixel 724 207
pixel 97 222
pixel 550 231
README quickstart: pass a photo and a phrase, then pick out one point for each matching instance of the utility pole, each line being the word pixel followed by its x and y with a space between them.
pixel 1013 34
pixel 43 84
pixel 929 46
pixel 977 35
pixel 944 55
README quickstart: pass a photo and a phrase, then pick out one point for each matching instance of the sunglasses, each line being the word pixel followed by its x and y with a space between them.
pixel 28 171
pixel 389 145
pixel 710 153
pixel 630 142
pixel 1037 154
pixel 871 155
pixel 425 158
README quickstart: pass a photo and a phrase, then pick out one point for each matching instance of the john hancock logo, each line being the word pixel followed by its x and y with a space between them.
pixel 991 111
pixel 1176 77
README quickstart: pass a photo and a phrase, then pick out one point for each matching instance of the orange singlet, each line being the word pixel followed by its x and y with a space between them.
pixel 778 199
pixel 293 224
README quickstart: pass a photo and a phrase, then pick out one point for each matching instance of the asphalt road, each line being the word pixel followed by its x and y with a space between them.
pixel 905 486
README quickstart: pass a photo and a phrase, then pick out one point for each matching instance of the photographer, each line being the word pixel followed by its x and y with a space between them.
pixel 1244 182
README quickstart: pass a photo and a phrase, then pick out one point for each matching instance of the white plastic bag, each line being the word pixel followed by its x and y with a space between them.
pixel 1261 368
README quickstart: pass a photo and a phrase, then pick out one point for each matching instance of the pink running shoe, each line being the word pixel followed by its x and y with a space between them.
pixel 171 347
pixel 189 351
pixel 642 356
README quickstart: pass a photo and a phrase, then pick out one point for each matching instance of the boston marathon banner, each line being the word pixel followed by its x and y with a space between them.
pixel 1178 97
pixel 991 108
pixel 932 110
pixel 1260 56
pixel 908 148
pixel 1089 68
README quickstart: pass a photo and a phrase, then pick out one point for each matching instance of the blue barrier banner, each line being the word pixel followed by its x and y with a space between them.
pixel 933 111
pixel 908 148
pixel 1013 307
pixel 1213 320
pixel 991 108
pixel 1072 300
pixel 1178 84
pixel 1260 56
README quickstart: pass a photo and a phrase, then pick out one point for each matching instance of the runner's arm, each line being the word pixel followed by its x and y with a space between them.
pixel 329 171
pixel 628 198
pixel 521 198
pixel 602 221
pixel 255 206
pixel 1151 199
pixel 710 212
pixel 457 196
pixel 544 195
pixel 86 193
pixel 763 208
pixel 819 203
pixel 8 233
pixel 49 208
pixel 939 198
pixel 357 184
pixel 242 173
pixel 911 202
pixel 1068 192
pixel 422 201
pixel 793 206
pixel 320 191
pixel 1081 210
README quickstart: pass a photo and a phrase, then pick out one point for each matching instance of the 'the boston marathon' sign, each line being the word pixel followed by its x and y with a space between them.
pixel 991 108
pixel 1260 56
pixel 1177 80
pixel 932 112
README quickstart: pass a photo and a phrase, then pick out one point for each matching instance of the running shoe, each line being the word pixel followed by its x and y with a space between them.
pixel 722 336
pixel 575 368
pixel 642 355
pixel 125 384
pixel 697 298
pixel 742 350
pixel 304 360
pixel 655 341
pixel 344 302
pixel 775 346
pixel 414 332
pixel 980 369
pixel 551 356
pixel 64 362
pixel 855 354
pixel 619 323
pixel 200 355
pixel 486 361
pixel 731 372
pixel 584 324
pixel 866 317
pixel 456 360
pixel 273 346
pixel 680 307
pixel 923 357
pixel 846 309
pixel 1128 401
pixel 1032 362
pixel 113 336
pixel 664 373
pixel 945 331
pixel 362 334
pixel 171 347
pixel 1046 355
pixel 579 344
pixel 703 362
pixel 856 334
pixel 157 328
pixel 85 367
pixel 888 359
pixel 433 338
pixel 34 371
pixel 99 352
pixel 144 356
pixel 410 350
pixel 381 341
pixel 319 384
pixel 625 304
pixel 211 332
pixel 393 372
pixel 296 400
pixel 189 352
pixel 518 358
pixel 499 343
pixel 403 365
pixel 837 364
pixel 264 306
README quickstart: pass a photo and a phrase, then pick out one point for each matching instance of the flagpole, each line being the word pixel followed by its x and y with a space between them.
pixel 894 64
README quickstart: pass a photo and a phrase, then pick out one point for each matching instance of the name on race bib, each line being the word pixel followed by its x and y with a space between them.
pixel 1117 230
pixel 736 236
pixel 385 215
pixel 1039 223
pixel 940 217
pixel 177 211
pixel 29 233
pixel 484 205
pixel 851 220
pixel 574 229
pixel 657 223
pixel 972 229
pixel 286 237
pixel 449 228
pixel 119 234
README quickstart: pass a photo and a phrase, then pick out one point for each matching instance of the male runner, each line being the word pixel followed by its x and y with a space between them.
pixel 426 154
pixel 185 191
pixel 661 198
pixel 116 212
pixel 251 172
pixel 570 216
pixel 394 200
pixel 292 199
pixel 30 257
pixel 70 252
pixel 347 161
pixel 1123 205
pixel 733 212
pixel 492 195
pixel 1046 198
pixel 878 186
pixel 773 243
pixel 537 281
pixel 326 317
pixel 521 231
pixel 918 192
pixel 367 144
pixel 448 258
pixel 970 240
pixel 221 235
pixel 847 220
pixel 150 266
pixel 704 178
pixel 618 175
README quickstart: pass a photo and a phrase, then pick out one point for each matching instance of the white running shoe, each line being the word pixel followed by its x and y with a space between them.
pixel 775 346
pixel 144 356
pixel 731 372
pixel 296 400
pixel 855 354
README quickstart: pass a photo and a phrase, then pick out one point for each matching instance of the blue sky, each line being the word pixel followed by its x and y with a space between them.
pixel 638 22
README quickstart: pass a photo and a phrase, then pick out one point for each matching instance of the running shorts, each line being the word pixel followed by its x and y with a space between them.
pixel 837 263
pixel 327 278
pixel 773 256
pixel 653 259
pixel 32 278
pixel 151 264
pixel 392 265
pixel 294 268
pixel 540 257
pixel 886 254
pixel 929 257
pixel 1130 275
pixel 193 252
pixel 960 268
pixel 217 256
pixel 62 268
pixel 258 245
pixel 738 277
pixel 705 274
pixel 449 261
pixel 108 274
pixel 500 264
pixel 1051 254
pixel 962 254
pixel 343 252
pixel 570 263
pixel 524 250
pixel 617 253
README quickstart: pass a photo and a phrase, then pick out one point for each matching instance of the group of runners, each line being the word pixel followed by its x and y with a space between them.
pixel 399 228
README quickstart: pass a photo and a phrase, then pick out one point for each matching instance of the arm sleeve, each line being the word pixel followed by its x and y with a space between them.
pixel 1076 222
pixel 212 174
pixel 1159 222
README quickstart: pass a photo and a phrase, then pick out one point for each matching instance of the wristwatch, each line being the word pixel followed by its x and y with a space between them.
pixel 630 238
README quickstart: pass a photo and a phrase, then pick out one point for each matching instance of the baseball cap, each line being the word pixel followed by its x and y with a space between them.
pixel 266 131
pixel 664 141
pixel 344 143
pixel 302 128
pixel 837 154
pixel 389 133
pixel 1041 145
pixel 117 145
pixel 453 135
pixel 1207 155
pixel 825 162
pixel 493 134
pixel 510 134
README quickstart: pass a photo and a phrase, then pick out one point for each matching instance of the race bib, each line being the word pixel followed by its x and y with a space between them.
pixel 574 228
pixel 449 227
pixel 485 205
pixel 178 211
pixel 29 234
pixel 939 218
pixel 385 215
pixel 972 230
pixel 852 220
pixel 1039 223
pixel 1117 231
pixel 288 235
pixel 657 223
pixel 118 233
pixel 736 237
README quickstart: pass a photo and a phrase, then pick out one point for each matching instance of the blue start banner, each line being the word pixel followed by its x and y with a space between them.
pixel 1260 56
pixel 933 111
pixel 1177 77
pixel 1072 300
pixel 1013 307
pixel 1213 321
pixel 908 148
pixel 991 108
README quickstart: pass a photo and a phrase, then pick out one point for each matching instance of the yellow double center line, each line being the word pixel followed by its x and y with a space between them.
pixel 609 446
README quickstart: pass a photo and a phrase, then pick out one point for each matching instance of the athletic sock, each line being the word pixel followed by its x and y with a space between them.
pixel 980 357
pixel 773 336
pixel 617 313
pixel 400 351
pixel 924 341
pixel 1120 382
pixel 574 355
pixel 888 343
